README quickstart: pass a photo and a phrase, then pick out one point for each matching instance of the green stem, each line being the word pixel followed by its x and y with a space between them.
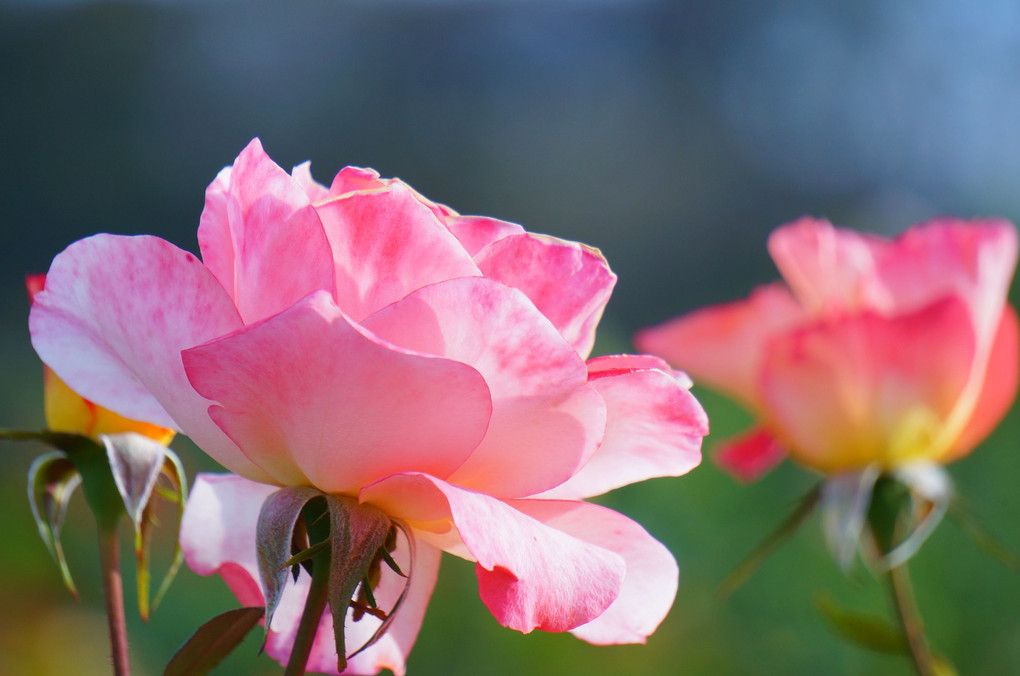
pixel 910 620
pixel 315 605
pixel 113 590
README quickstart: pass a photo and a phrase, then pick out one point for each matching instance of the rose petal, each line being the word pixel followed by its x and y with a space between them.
pixel 530 576
pixel 302 175
pixel 546 421
pixel 112 321
pixel 654 428
pixel 970 259
pixel 314 398
pixel 568 282
pixel 723 345
pixel 998 389
pixel 386 243
pixel 353 179
pixel 826 267
pixel 261 237
pixel 218 531
pixel 475 232
pixel 750 456
pixel 623 363
pixel 651 581
pixel 865 388
pixel 218 536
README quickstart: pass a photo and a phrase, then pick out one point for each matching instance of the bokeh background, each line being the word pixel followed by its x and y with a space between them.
pixel 672 135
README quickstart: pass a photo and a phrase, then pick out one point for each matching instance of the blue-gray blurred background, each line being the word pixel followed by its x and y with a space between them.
pixel 673 136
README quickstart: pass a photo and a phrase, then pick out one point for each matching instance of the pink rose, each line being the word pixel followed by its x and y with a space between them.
pixel 367 342
pixel 875 353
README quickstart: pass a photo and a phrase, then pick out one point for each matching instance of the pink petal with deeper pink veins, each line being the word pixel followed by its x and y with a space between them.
pixel 261 238
pixel 386 243
pixel 112 321
pixel 530 576
pixel 649 585
pixel 654 428
pixel 316 399
pixel 546 420
pixel 568 282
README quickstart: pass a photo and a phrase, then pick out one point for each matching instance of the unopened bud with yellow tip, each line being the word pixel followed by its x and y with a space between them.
pixel 67 411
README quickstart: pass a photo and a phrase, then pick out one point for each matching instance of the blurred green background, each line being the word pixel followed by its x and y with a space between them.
pixel 672 135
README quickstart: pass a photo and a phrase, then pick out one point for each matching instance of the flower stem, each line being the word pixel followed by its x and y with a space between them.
pixel 113 590
pixel 315 605
pixel 910 620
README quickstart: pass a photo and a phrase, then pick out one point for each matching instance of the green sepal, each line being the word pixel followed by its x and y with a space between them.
pixel 387 618
pixel 388 559
pixel 173 471
pixel 867 631
pixel 306 554
pixel 118 476
pixel 889 513
pixel 357 533
pixel 212 642
pixel 274 534
pixel 90 459
pixel 52 479
pixel 136 463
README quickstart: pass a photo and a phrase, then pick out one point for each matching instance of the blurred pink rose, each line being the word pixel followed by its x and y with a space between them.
pixel 875 353
pixel 368 342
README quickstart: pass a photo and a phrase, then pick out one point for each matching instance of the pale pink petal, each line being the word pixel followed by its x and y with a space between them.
pixel 970 259
pixel 751 455
pixel 218 532
pixel 112 321
pixel 650 584
pixel 999 387
pixel 826 267
pixel 864 388
pixel 386 243
pixel 475 232
pixel 302 175
pixel 569 282
pixel 218 537
pixel 261 237
pixel 530 576
pixel 654 429
pixel 723 346
pixel 546 420
pixel 315 398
